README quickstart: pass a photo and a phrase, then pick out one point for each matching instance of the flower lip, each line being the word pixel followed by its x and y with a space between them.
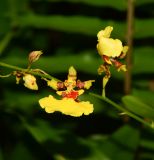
pixel 66 106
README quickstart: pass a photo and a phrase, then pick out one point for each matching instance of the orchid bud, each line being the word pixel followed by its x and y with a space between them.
pixel 34 56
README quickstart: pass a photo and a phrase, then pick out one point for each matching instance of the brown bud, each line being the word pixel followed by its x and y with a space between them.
pixel 34 56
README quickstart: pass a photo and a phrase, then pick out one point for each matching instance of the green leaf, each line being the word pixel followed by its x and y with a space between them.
pixel 1 155
pixel 25 102
pixel 21 152
pixel 95 152
pixel 86 25
pixel 143 57
pixel 42 131
pixel 148 144
pixel 119 4
pixel 121 145
pixel 142 2
pixel 145 95
pixel 138 107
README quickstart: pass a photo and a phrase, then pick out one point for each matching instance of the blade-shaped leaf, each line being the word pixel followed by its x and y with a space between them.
pixel 42 131
pixel 86 25
pixel 138 107
pixel 120 145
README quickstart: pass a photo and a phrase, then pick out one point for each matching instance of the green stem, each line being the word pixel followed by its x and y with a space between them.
pixel 103 89
pixel 103 93
pixel 122 109
pixel 30 71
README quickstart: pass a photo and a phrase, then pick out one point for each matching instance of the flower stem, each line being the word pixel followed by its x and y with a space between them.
pixel 130 30
pixel 122 109
pixel 30 71
pixel 103 92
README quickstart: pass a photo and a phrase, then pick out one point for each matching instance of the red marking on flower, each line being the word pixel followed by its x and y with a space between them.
pixel 117 63
pixel 106 59
pixel 80 84
pixel 72 94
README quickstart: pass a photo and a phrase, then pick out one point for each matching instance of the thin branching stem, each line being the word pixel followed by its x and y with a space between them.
pixel 122 109
pixel 30 71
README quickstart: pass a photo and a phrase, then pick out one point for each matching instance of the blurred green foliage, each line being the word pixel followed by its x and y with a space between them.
pixel 66 32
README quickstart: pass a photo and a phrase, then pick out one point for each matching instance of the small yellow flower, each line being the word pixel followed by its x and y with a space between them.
pixel 66 106
pixel 108 46
pixel 30 82
pixel 110 50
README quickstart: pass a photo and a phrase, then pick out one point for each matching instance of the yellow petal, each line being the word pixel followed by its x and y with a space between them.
pixel 67 106
pixel 122 68
pixel 125 49
pixel 109 47
pixel 81 91
pixel 105 33
pixel 72 74
pixel 88 84
pixel 30 82
pixel 59 92
pixel 18 80
pixel 52 84
pixel 72 71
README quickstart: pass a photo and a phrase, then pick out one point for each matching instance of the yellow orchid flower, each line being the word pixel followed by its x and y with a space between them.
pixel 70 90
pixel 110 50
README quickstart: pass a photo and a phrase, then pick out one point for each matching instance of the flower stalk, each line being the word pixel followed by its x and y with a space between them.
pixel 123 110
pixel 30 71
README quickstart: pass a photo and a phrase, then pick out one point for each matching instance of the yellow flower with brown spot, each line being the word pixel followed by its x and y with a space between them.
pixel 70 90
pixel 30 82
